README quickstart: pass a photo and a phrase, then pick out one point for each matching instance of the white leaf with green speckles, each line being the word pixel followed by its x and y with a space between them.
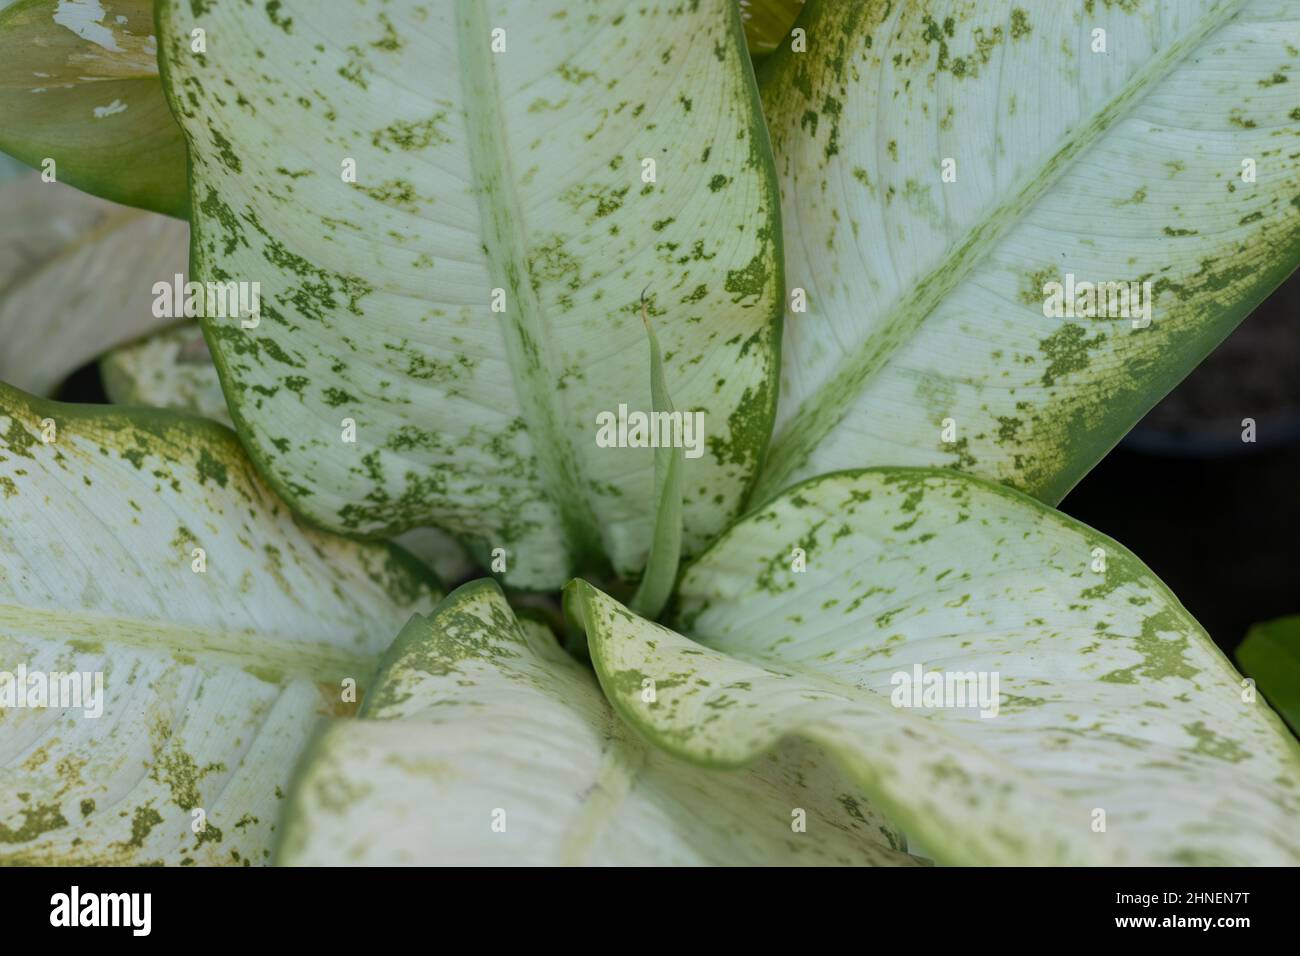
pixel 477 170
pixel 1110 697
pixel 76 275
pixel 79 85
pixel 172 369
pixel 212 681
pixel 925 297
pixel 479 719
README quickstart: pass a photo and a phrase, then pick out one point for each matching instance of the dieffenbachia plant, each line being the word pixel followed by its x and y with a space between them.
pixel 142 547
pixel 941 163
pixel 483 741
pixel 462 281
pixel 1121 734
pixel 476 227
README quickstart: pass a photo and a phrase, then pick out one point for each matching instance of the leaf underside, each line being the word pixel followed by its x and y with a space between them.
pixel 172 369
pixel 377 295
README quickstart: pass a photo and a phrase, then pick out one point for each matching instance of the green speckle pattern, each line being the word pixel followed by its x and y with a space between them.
pixel 1083 171
pixel 211 681
pixel 441 747
pixel 1112 697
pixel 377 296
pixel 172 369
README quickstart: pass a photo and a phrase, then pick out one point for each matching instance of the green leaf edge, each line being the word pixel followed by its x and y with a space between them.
pixel 241 427
pixel 307 756
pixel 1265 657
pixel 161 420
pixel 169 202
pixel 578 595
pixel 775 326
pixel 1094 445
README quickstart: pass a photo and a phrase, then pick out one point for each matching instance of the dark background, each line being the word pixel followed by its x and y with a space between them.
pixel 1214 517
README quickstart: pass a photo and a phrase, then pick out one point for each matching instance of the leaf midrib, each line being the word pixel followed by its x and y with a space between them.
pixel 621 767
pixel 524 324
pixel 827 405
pixel 263 651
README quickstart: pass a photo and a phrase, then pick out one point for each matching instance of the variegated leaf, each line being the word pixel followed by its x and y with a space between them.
pixel 172 369
pixel 942 163
pixel 142 547
pixel 484 743
pixel 1116 733
pixel 460 121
